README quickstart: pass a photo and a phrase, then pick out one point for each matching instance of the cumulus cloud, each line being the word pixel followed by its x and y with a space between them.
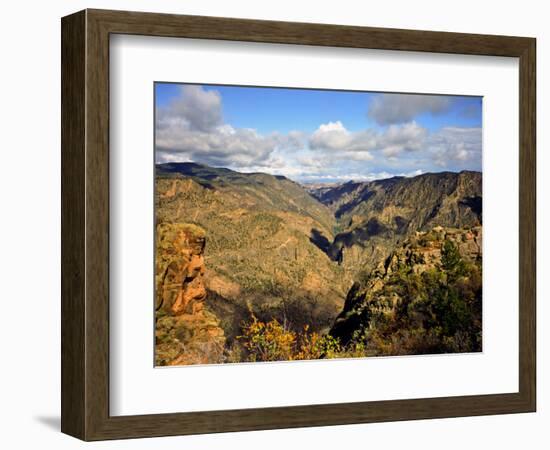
pixel 387 109
pixel 335 153
pixel 194 108
pixel 334 137
pixel 191 129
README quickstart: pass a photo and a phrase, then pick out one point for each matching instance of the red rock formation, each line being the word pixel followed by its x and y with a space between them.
pixel 186 333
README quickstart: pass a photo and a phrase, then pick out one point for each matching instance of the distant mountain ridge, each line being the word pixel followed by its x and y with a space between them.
pixel 373 216
pixel 341 198
pixel 206 172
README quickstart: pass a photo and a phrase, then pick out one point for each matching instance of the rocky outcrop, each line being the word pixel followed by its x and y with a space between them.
pixel 406 284
pixel 422 251
pixel 186 332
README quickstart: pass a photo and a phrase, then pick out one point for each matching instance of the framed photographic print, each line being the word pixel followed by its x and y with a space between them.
pixel 268 224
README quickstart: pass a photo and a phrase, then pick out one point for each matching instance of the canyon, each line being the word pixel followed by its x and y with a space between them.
pixel 234 247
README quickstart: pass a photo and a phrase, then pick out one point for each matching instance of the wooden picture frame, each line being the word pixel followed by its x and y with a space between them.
pixel 85 224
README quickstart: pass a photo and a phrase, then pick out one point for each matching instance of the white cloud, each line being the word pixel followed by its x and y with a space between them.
pixel 388 109
pixel 358 176
pixel 334 137
pixel 397 138
pixel 331 136
pixel 195 108
pixel 453 144
pixel 398 150
pixel 191 129
pixel 167 157
pixel 221 146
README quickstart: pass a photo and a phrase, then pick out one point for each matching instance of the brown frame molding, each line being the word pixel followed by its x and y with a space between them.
pixel 85 224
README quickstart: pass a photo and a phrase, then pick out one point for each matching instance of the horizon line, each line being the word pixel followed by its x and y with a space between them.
pixel 350 180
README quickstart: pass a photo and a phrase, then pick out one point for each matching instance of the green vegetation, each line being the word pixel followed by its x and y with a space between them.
pixel 435 311
pixel 278 264
pixel 373 217
pixel 259 248
pixel 273 341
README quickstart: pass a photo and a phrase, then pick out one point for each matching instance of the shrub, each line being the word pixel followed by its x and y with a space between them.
pixel 451 261
pixel 316 346
pixel 436 311
pixel 271 341
pixel 267 341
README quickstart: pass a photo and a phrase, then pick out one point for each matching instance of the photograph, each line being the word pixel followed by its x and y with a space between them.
pixel 303 224
pixel 252 225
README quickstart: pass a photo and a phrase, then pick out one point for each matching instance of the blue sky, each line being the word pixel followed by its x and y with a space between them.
pixel 317 135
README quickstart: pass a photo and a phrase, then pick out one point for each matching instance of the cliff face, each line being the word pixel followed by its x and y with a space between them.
pixel 375 216
pixel 424 298
pixel 186 332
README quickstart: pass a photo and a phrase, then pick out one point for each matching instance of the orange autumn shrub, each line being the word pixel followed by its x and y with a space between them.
pixel 267 341
pixel 271 341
